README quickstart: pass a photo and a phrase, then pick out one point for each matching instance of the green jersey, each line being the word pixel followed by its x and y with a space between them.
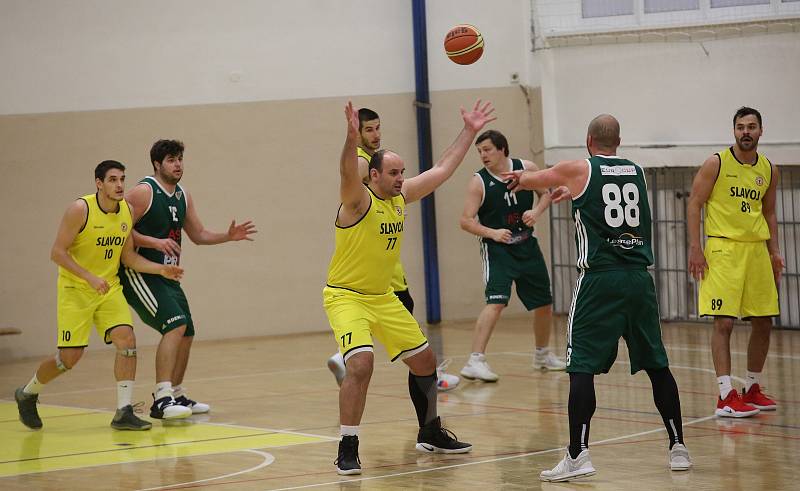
pixel 612 216
pixel 502 208
pixel 162 219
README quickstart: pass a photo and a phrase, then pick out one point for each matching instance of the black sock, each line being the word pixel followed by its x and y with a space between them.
pixel 668 402
pixel 423 394
pixel 581 407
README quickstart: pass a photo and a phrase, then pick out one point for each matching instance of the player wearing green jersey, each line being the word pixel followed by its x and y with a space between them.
pixel 163 209
pixel 504 222
pixel 615 295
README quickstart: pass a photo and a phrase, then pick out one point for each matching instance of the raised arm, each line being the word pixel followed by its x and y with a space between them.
pixel 352 192
pixel 469 221
pixel 71 224
pixel 363 169
pixel 418 187
pixel 201 236
pixel 768 209
pixel 702 186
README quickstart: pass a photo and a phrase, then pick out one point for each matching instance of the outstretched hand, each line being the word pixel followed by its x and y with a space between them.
pixel 241 231
pixel 352 120
pixel 512 179
pixel 479 116
pixel 560 194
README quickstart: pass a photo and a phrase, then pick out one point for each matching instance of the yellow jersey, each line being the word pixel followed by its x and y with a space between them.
pixel 367 251
pixel 399 283
pixel 733 209
pixel 98 246
pixel 363 154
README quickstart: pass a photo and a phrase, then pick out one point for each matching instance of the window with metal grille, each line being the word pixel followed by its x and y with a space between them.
pixel 668 192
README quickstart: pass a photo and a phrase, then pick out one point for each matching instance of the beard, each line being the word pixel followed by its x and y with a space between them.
pixel 169 179
pixel 747 145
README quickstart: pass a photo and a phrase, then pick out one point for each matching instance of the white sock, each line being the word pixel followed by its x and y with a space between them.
pixel 34 386
pixel 178 391
pixel 163 389
pixel 750 379
pixel 124 393
pixel 724 386
pixel 349 430
pixel 542 351
pixel 476 356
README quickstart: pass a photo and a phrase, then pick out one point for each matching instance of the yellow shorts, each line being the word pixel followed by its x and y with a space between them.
pixel 739 281
pixel 356 319
pixel 79 306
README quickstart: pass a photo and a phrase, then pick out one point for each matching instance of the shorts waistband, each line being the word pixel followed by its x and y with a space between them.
pixel 613 267
pixel 736 240
pixel 356 291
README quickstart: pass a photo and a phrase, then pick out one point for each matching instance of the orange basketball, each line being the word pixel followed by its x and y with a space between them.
pixel 463 44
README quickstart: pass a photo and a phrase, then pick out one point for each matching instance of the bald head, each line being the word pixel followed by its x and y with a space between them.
pixel 386 174
pixel 381 156
pixel 604 131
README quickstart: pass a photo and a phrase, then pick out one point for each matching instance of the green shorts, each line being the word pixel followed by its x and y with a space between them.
pixel 522 264
pixel 607 305
pixel 160 302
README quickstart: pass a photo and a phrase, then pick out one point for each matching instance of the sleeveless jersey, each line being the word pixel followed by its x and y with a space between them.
pixel 612 216
pixel 366 252
pixel 363 154
pixel 399 283
pixel 163 219
pixel 733 209
pixel 98 246
pixel 502 208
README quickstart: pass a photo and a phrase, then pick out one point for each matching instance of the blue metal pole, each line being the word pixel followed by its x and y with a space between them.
pixel 423 105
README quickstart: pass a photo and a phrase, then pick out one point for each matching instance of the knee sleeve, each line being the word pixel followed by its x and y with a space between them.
pixel 60 364
pixel 127 353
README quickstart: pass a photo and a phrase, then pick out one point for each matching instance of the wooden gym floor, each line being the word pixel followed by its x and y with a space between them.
pixel 274 421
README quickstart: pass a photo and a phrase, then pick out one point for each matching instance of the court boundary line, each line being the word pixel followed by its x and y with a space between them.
pixel 268 459
pixel 229 425
pixel 102 411
pixel 486 461
pixel 511 457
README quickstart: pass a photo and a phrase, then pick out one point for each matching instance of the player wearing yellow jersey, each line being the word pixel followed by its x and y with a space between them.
pixel 92 240
pixel 369 130
pixel 358 298
pixel 741 264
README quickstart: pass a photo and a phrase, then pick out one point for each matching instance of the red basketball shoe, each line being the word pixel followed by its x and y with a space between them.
pixel 758 399
pixel 733 407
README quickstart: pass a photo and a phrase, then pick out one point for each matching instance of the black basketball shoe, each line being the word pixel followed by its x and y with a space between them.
pixel 26 404
pixel 348 463
pixel 435 439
